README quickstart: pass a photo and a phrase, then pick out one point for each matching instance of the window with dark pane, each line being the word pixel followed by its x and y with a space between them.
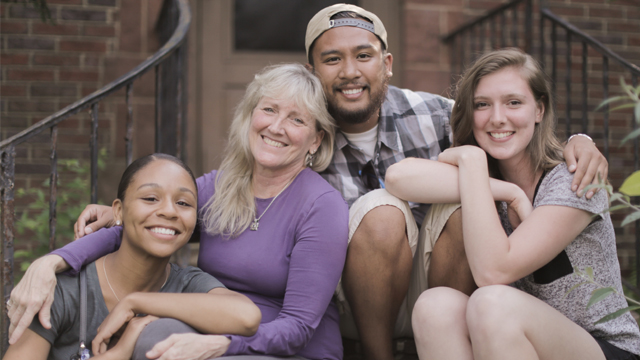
pixel 275 25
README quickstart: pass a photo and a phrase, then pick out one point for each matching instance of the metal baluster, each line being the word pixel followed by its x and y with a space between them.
pixel 158 109
pixel 542 59
pixel 492 33
pixel 554 60
pixel 636 165
pixel 53 187
pixel 605 92
pixel 94 153
pixel 514 27
pixel 129 136
pixel 179 129
pixel 528 27
pixel 585 89
pixel 568 83
pixel 7 170
pixel 503 26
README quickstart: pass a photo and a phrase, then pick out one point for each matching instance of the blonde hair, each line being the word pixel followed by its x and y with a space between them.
pixel 544 148
pixel 232 208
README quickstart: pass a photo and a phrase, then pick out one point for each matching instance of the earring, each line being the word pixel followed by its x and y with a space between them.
pixel 118 222
pixel 309 158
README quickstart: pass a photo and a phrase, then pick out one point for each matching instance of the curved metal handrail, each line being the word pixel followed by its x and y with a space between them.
pixel 178 37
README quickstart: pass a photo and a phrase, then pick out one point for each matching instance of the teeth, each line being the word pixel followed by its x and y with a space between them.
pixel 273 143
pixel 352 91
pixel 159 230
pixel 501 135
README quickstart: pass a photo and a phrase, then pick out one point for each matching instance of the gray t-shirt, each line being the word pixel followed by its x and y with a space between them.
pixel 65 314
pixel 595 247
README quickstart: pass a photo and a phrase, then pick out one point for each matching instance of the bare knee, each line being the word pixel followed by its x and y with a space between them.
pixel 382 229
pixel 492 311
pixel 438 309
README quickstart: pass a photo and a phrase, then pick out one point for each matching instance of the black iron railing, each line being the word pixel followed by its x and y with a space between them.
pixel 168 63
pixel 560 47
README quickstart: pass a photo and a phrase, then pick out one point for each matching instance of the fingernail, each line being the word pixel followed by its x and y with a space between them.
pixel 88 230
pixel 574 188
pixel 579 193
pixel 572 167
pixel 589 194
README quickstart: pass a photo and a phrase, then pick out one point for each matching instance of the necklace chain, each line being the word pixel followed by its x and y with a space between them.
pixel 104 268
pixel 256 221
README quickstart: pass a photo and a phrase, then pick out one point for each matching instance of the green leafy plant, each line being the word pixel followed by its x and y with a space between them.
pixel 600 293
pixel 72 197
pixel 618 200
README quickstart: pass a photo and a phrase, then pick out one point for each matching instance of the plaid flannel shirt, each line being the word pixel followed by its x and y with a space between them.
pixel 412 124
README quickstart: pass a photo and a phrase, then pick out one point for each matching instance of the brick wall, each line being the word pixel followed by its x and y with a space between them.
pixel 46 67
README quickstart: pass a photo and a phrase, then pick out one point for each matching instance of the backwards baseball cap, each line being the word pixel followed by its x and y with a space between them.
pixel 322 22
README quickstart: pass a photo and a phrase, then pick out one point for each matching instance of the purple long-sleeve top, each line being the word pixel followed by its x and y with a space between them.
pixel 289 267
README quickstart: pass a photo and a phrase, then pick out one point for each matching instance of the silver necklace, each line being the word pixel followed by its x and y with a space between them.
pixel 104 268
pixel 256 221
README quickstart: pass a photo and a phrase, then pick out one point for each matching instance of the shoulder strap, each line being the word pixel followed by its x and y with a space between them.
pixel 83 352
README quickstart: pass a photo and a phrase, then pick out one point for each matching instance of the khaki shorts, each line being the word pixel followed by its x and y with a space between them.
pixel 421 243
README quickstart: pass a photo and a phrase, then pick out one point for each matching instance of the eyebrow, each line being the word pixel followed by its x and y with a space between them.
pixel 504 96
pixel 154 185
pixel 334 51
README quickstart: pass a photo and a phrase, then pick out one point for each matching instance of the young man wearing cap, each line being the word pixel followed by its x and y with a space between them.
pixel 389 262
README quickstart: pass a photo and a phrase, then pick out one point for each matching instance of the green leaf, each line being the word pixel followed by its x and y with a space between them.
pixel 631 218
pixel 637 112
pixel 624 106
pixel 616 208
pixel 610 100
pixel 634 134
pixel 631 185
pixel 573 288
pixel 599 294
pixel 617 314
pixel 589 271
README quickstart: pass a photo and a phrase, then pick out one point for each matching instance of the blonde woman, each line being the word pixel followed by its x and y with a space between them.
pixel 272 228
pixel 505 150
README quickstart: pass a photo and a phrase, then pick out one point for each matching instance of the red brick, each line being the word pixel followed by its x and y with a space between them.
pixel 624 27
pixel 68 90
pixel 20 11
pixel 8 27
pixel 605 13
pixel 78 75
pixel 13 90
pixel 65 2
pixel 102 2
pixel 79 45
pixel 422 42
pixel 14 59
pixel 634 41
pixel 41 75
pixel 15 121
pixel 568 10
pixel 91 60
pixel 130 22
pixel 30 43
pixel 83 15
pixel 107 31
pixel 87 90
pixel 56 60
pixel 31 106
pixel 58 29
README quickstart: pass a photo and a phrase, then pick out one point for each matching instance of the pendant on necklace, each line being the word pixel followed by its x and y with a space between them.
pixel 254 225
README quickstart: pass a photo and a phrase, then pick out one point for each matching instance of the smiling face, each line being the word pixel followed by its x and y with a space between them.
pixel 354 71
pixel 281 135
pixel 505 114
pixel 159 210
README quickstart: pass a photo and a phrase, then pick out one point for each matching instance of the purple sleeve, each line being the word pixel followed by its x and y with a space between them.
pixel 90 248
pixel 316 264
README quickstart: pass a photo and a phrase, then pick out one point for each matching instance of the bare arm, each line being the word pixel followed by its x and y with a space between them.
pixel 234 313
pixel 583 157
pixel 493 257
pixel 435 182
pixel 30 346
